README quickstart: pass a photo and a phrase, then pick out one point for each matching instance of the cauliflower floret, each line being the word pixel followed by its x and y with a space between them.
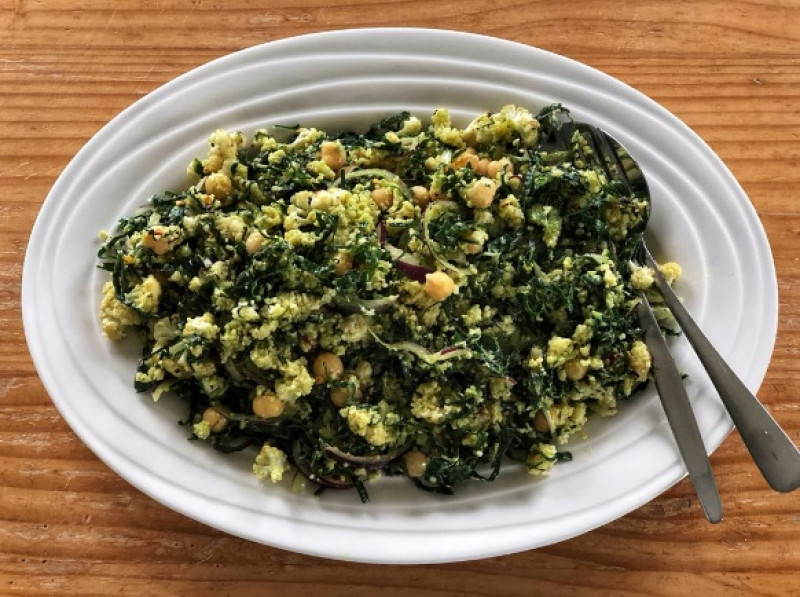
pixel 565 419
pixel 609 277
pixel 204 368
pixel 426 404
pixel 296 382
pixel 480 193
pixel 443 129
pixel 474 241
pixel 541 459
pixel 593 180
pixel 162 239
pixel 153 373
pixel 298 238
pixel 264 141
pixel 641 277
pixel 500 388
pixel 582 333
pixel 550 221
pixel 412 126
pixel 473 316
pixel 263 355
pixel 510 211
pixel 202 429
pixel 164 331
pixel 371 422
pixel 501 126
pixel 223 148
pixel 559 351
pixel 202 326
pixel 306 137
pixel 146 294
pixel 232 227
pixel 213 386
pixel 271 463
pixel 294 306
pixel 536 359
pixel 322 169
pixel 639 360
pixel 671 271
pixel 270 217
pixel 115 317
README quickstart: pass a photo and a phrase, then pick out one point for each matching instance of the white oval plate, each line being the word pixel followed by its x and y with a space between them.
pixel 345 79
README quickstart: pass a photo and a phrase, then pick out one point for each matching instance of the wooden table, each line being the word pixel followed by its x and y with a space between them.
pixel 731 70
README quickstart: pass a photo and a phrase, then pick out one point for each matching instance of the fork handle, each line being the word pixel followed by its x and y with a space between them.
pixel 680 417
pixel 773 451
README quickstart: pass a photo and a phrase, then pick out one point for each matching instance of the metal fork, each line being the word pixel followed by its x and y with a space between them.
pixel 773 451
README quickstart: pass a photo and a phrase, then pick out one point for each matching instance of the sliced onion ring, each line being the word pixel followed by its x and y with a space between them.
pixel 327 482
pixel 407 264
pixel 371 462
pixel 366 306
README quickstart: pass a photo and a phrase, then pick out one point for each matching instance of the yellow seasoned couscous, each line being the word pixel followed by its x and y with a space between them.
pixel 413 300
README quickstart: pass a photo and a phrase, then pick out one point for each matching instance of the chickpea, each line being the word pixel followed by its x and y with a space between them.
pixel 436 193
pixel 466 158
pixel 495 167
pixel 268 406
pixel 416 462
pixel 483 167
pixel 420 195
pixel 383 197
pixel 575 370
pixel 327 366
pixel 219 185
pixel 439 285
pixel 340 395
pixel 333 154
pixel 540 422
pixel 215 419
pixel 342 263
pixel 481 193
pixel 254 242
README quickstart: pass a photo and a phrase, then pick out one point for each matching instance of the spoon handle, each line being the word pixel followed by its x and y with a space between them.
pixel 776 456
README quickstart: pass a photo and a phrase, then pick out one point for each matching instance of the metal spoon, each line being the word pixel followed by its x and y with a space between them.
pixel 773 451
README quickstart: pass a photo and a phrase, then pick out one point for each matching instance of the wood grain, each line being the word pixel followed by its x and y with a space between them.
pixel 69 525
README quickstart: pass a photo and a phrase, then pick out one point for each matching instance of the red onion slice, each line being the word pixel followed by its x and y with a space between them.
pixel 382 232
pixel 407 264
pixel 328 482
pixel 412 270
pixel 370 462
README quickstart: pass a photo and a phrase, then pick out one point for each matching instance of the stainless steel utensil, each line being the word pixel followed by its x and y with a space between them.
pixel 773 451
pixel 600 152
